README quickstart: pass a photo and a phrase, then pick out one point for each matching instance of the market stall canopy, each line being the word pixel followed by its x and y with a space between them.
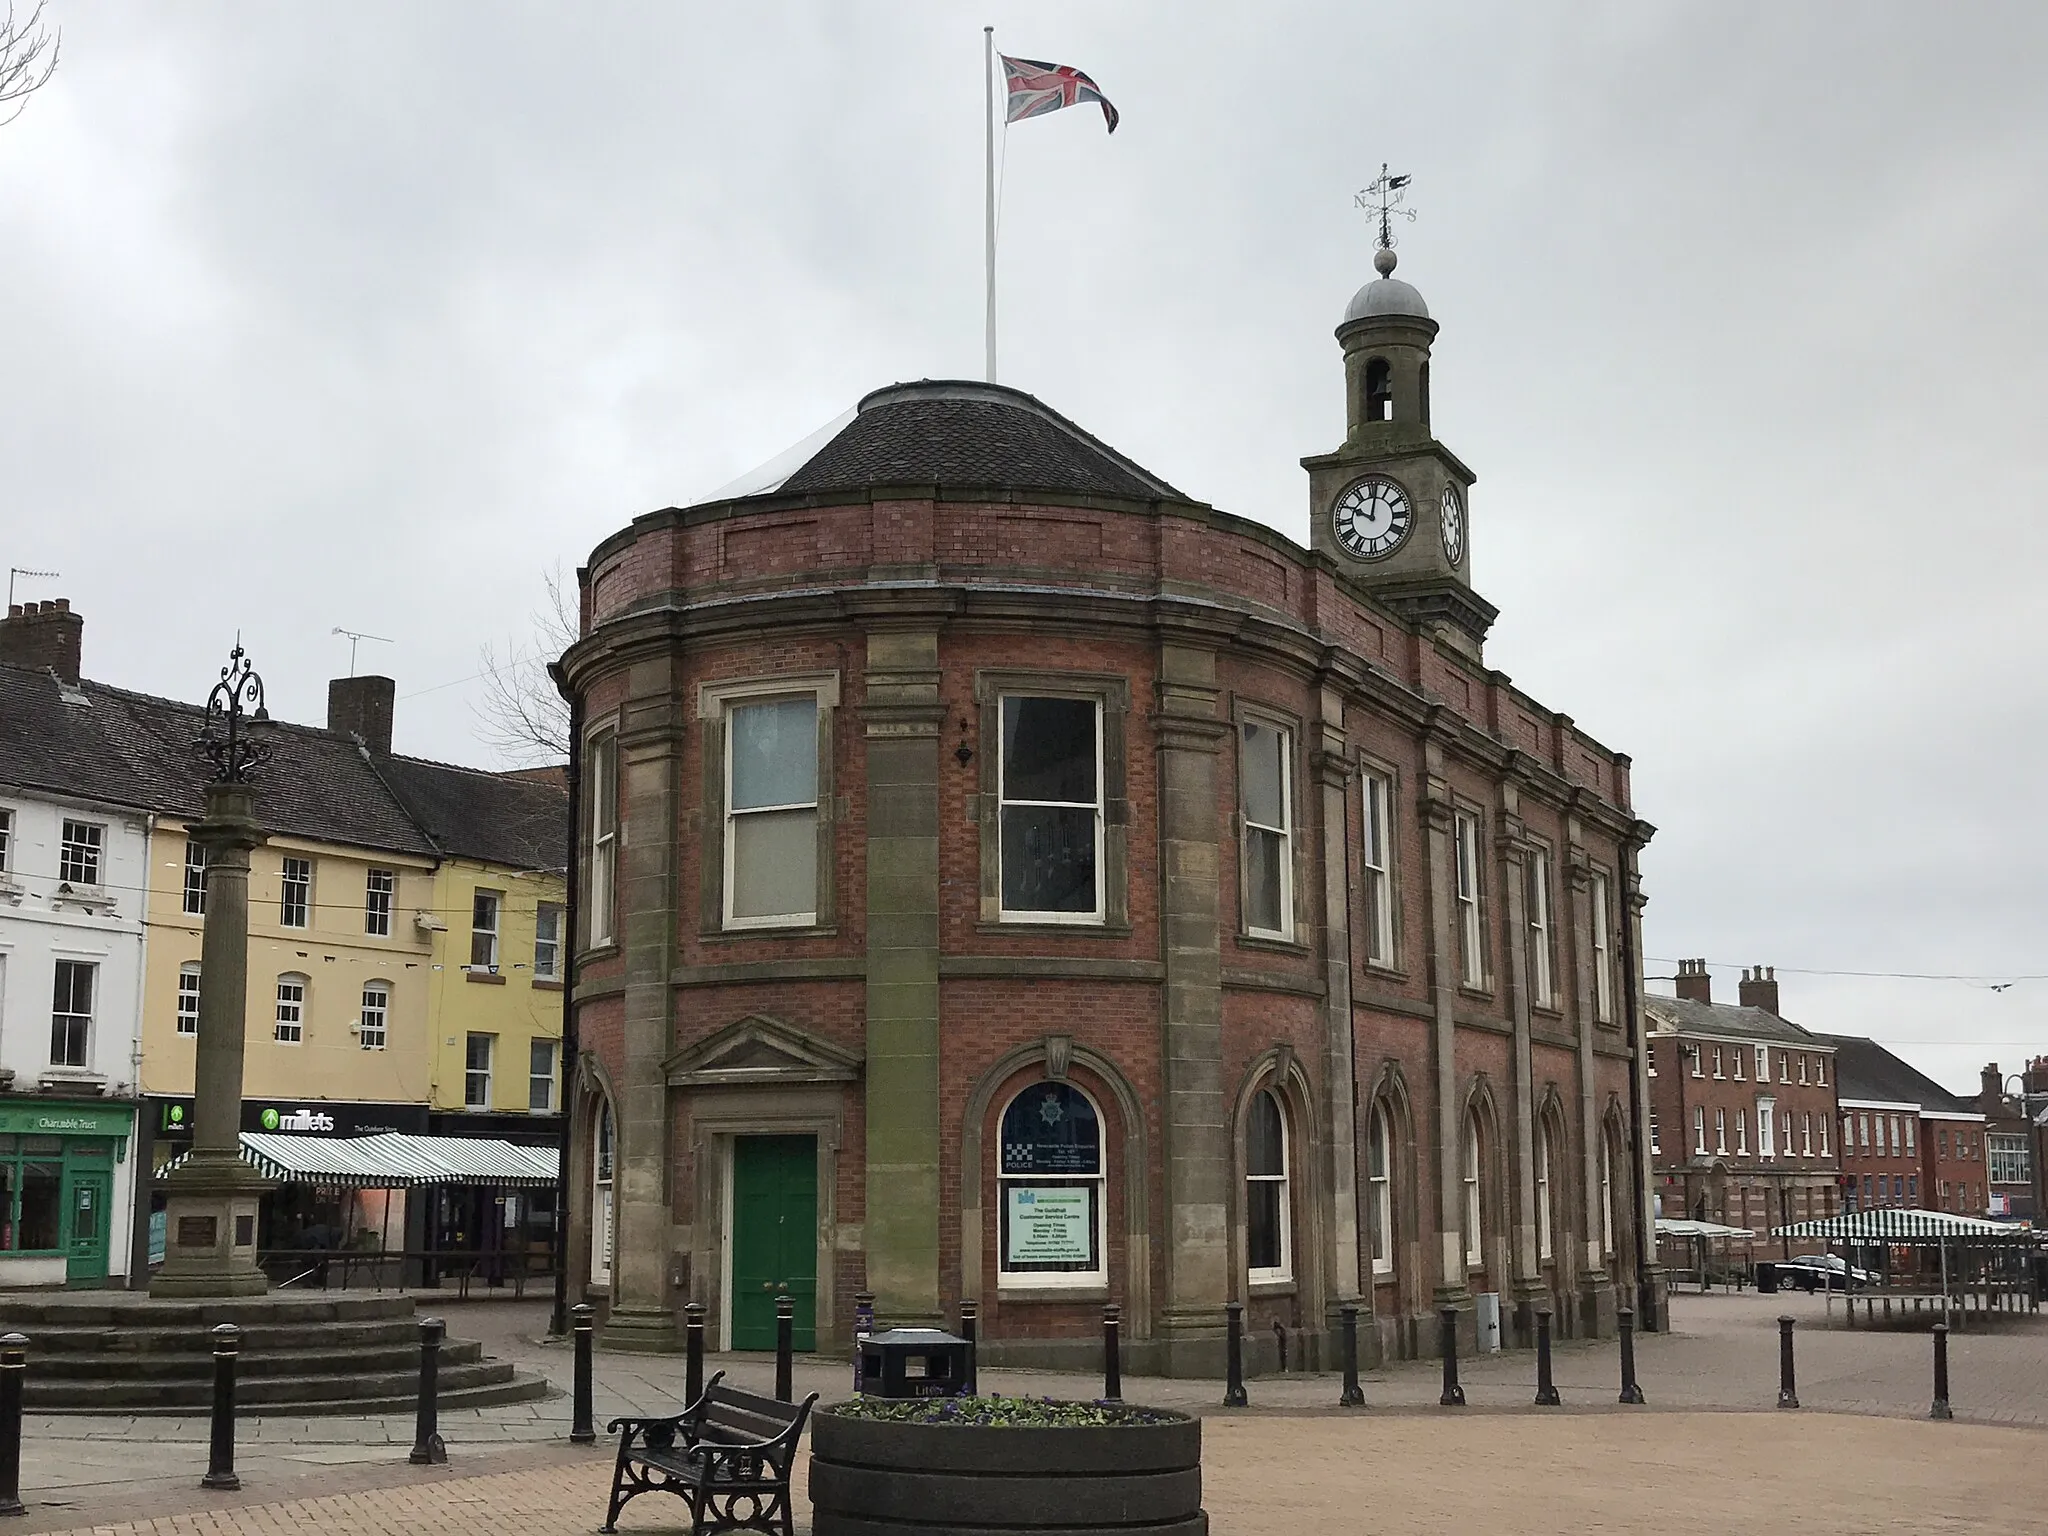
pixel 1899 1226
pixel 1672 1227
pixel 395 1160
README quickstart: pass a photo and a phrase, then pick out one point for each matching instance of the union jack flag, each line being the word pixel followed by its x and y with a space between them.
pixel 1036 88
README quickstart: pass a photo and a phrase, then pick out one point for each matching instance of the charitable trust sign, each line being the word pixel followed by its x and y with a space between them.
pixel 1050 1226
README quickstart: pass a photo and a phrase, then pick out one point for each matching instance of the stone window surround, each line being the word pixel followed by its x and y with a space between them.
pixel 600 733
pixel 1279 1071
pixel 714 700
pixel 1245 712
pixel 1394 964
pixel 1111 693
pixel 1554 1004
pixel 1475 815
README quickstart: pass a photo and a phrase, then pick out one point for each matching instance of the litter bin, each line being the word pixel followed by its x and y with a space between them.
pixel 1766 1278
pixel 913 1362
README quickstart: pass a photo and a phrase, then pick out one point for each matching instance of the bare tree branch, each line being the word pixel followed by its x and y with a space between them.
pixel 28 57
pixel 523 716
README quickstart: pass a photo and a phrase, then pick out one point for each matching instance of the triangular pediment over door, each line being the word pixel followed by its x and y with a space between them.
pixel 760 1049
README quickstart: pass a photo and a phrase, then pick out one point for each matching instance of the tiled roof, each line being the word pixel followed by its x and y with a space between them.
pixel 970 436
pixel 105 744
pixel 1691 1018
pixel 1866 1070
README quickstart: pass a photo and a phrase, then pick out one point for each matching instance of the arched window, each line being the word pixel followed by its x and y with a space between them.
pixel 1379 391
pixel 602 1156
pixel 188 998
pixel 1544 1238
pixel 1050 1176
pixel 1268 1238
pixel 1379 1190
pixel 290 1025
pixel 1475 1245
pixel 1607 1192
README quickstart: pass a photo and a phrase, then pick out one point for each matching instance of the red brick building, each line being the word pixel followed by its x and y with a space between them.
pixel 2009 1133
pixel 1005 877
pixel 1907 1142
pixel 1744 1107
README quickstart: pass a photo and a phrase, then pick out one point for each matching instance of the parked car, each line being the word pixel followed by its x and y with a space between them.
pixel 1814 1271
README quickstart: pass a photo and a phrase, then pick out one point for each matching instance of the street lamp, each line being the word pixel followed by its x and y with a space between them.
pixel 212 1198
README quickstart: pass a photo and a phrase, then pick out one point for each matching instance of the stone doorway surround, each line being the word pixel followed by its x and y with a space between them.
pixel 758 1076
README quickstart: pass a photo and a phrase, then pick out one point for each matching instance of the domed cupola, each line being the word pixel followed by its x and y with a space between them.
pixel 1392 506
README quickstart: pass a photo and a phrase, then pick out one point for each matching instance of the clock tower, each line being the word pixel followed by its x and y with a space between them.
pixel 1392 506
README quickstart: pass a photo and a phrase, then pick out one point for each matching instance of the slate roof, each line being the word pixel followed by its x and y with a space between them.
pixel 1866 1070
pixel 1689 1017
pixel 105 744
pixel 968 435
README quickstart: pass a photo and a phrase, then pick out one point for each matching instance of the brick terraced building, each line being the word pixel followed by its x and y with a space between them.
pixel 1007 878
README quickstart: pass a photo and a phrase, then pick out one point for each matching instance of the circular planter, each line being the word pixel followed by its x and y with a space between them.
pixel 877 1477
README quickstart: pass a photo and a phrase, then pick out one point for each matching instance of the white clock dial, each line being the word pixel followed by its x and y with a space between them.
pixel 1371 517
pixel 1453 523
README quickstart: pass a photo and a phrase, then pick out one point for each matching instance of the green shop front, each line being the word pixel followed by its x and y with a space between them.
pixel 65 1173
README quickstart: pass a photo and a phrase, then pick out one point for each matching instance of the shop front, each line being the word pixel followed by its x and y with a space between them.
pixel 64 1173
pixel 498 1235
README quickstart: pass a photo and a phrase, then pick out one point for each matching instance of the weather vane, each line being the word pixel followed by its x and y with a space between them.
pixel 1384 195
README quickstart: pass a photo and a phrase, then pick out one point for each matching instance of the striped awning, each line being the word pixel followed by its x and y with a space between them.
pixel 1887 1225
pixel 395 1160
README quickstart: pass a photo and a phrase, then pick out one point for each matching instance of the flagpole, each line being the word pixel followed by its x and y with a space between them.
pixel 988 123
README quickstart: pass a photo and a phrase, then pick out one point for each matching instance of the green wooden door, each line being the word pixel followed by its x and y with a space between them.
pixel 86 1230
pixel 774 1237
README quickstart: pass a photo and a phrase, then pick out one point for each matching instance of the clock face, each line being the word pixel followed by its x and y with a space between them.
pixel 1453 524
pixel 1371 517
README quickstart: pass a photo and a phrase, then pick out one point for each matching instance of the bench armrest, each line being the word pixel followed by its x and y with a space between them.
pixel 639 1425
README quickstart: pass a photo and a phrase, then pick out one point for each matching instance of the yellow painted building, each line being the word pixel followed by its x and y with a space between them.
pixel 496 990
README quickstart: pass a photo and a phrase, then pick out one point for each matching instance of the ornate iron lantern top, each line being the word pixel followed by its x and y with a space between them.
pixel 234 706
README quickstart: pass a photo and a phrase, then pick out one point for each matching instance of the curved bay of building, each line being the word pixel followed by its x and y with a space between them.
pixel 1053 891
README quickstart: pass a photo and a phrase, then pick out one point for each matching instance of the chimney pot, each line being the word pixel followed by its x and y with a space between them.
pixel 1694 984
pixel 1760 988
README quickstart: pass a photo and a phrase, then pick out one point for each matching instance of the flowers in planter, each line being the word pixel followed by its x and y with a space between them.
pixel 998 1412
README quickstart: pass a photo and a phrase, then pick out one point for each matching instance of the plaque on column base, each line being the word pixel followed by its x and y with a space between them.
pixel 210 1229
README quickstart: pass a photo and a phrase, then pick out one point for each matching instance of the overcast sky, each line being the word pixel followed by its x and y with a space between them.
pixel 367 316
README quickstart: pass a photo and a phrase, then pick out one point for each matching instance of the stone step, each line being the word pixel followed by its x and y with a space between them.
pixel 88 1309
pixel 472 1385
pixel 257 1337
pixel 186 1363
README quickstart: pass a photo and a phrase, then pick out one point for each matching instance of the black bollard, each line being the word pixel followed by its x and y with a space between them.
pixel 970 1322
pixel 1546 1389
pixel 427 1447
pixel 1941 1409
pixel 220 1455
pixel 693 1351
pixel 1353 1396
pixel 13 1371
pixel 1625 1326
pixel 1788 1396
pixel 785 1338
pixel 1112 1354
pixel 864 1324
pixel 582 1425
pixel 1234 1395
pixel 1454 1395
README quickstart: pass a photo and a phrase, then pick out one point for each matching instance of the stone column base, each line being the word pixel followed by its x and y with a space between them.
pixel 1597 1306
pixel 642 1330
pixel 210 1229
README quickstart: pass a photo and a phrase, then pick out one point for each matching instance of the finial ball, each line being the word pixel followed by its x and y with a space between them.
pixel 1383 261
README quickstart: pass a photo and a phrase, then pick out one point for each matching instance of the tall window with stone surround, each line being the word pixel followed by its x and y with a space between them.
pixel 1603 958
pixel 771 812
pixel 1049 790
pixel 1475 1203
pixel 1542 955
pixel 1471 928
pixel 1268 1217
pixel 601 792
pixel 1265 782
pixel 1379 1190
pixel 1377 863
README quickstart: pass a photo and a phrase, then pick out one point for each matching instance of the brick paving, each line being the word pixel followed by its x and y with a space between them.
pixel 1403 1464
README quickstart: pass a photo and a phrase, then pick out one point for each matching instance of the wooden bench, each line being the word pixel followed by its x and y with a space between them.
pixel 728 1454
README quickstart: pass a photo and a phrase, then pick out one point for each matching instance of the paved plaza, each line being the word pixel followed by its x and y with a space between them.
pixel 1711 1452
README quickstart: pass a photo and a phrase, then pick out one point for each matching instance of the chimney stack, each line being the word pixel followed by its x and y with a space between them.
pixel 361 707
pixel 1760 988
pixel 43 636
pixel 1694 984
pixel 2035 1078
pixel 1993 1090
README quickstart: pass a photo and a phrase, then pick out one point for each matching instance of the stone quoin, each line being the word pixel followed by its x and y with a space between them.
pixel 1005 878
